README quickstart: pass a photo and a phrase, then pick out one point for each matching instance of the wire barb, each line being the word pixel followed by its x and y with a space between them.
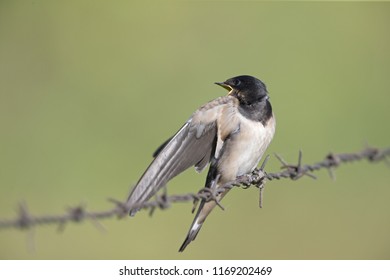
pixel 295 171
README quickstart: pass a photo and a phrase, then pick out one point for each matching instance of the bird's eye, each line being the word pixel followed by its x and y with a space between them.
pixel 236 82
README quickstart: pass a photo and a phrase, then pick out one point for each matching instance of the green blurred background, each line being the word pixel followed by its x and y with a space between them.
pixel 88 90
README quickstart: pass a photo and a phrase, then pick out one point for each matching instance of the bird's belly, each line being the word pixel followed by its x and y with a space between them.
pixel 249 153
pixel 246 166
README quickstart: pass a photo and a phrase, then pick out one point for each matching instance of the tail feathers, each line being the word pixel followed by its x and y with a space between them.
pixel 194 230
pixel 203 211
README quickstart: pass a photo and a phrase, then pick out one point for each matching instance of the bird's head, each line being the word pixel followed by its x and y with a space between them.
pixel 246 88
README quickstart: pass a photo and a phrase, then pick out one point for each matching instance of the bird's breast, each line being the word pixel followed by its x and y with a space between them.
pixel 244 149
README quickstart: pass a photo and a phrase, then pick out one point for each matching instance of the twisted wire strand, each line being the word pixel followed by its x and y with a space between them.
pixel 257 178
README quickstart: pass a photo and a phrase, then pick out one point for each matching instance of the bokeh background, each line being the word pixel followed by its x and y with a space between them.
pixel 88 90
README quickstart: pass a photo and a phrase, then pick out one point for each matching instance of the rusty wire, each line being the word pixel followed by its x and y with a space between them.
pixel 25 219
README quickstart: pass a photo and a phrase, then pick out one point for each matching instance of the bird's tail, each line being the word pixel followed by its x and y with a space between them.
pixel 203 211
pixel 194 229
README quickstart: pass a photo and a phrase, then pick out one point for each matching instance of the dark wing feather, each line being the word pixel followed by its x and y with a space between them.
pixel 162 146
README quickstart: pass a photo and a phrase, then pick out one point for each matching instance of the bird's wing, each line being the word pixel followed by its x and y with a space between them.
pixel 193 144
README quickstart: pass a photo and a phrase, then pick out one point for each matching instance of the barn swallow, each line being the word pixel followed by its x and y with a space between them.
pixel 231 133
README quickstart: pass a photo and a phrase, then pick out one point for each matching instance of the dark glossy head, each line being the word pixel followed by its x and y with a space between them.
pixel 246 88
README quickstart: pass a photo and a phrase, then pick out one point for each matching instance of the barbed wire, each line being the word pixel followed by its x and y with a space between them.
pixel 258 178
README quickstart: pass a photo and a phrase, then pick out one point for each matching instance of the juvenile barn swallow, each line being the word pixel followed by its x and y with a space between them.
pixel 231 133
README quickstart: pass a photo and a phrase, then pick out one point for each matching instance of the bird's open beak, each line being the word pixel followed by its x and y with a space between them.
pixel 225 86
